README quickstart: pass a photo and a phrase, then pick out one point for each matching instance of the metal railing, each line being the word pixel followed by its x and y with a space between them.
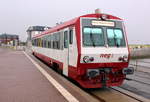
pixel 137 64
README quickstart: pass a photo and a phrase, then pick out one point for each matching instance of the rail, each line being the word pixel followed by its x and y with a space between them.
pixel 137 64
pixel 116 93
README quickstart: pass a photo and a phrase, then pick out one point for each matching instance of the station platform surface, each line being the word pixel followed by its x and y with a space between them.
pixel 21 81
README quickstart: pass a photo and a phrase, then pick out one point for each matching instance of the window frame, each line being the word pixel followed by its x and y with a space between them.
pixel 123 34
pixel 66 46
pixel 91 45
pixel 71 36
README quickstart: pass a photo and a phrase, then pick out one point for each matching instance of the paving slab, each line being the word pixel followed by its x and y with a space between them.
pixel 20 81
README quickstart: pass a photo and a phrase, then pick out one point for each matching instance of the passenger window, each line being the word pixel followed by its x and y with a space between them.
pixel 35 42
pixel 38 43
pixel 44 43
pixel 58 40
pixel 32 42
pixel 71 36
pixel 66 39
pixel 49 41
pixel 54 41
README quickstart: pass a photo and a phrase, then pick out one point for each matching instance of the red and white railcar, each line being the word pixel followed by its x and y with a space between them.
pixel 91 49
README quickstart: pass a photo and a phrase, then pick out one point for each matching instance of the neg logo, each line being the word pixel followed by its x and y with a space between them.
pixel 106 56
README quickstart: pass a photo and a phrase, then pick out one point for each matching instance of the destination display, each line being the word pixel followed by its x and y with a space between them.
pixel 103 23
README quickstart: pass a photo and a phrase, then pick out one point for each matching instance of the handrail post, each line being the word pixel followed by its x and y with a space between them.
pixel 136 64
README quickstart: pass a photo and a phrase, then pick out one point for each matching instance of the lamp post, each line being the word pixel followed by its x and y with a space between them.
pixel 5 38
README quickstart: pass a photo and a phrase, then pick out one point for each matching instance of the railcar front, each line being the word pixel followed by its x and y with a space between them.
pixel 104 51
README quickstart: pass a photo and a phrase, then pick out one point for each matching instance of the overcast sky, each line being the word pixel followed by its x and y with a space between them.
pixel 17 15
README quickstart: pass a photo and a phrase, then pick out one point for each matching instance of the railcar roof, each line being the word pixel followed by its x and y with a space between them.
pixel 72 22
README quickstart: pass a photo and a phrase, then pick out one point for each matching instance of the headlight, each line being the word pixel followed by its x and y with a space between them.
pixel 128 71
pixel 88 59
pixel 125 58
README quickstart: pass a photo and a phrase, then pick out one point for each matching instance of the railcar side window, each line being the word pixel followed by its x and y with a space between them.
pixel 54 41
pixel 35 42
pixel 58 40
pixel 115 37
pixel 39 45
pixel 49 41
pixel 93 37
pixel 66 39
pixel 45 43
pixel 71 36
pixel 42 41
pixel 32 42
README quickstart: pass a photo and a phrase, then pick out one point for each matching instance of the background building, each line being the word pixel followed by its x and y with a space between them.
pixel 34 30
pixel 9 39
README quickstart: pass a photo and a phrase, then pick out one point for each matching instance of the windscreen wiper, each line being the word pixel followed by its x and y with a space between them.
pixel 115 39
pixel 91 37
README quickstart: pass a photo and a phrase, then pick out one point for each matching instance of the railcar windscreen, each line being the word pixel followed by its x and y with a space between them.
pixel 115 37
pixel 93 37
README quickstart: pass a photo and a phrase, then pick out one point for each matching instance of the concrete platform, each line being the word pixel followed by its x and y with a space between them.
pixel 21 81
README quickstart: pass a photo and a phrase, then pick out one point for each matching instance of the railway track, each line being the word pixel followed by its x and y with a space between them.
pixel 143 69
pixel 110 95
pixel 114 95
pixel 140 81
pixel 140 68
pixel 138 63
pixel 148 77
pixel 119 94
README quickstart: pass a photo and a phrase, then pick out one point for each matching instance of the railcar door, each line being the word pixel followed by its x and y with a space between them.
pixel 66 52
